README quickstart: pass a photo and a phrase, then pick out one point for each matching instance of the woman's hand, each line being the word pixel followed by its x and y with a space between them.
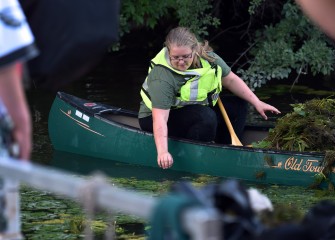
pixel 165 160
pixel 263 107
pixel 237 86
pixel 160 118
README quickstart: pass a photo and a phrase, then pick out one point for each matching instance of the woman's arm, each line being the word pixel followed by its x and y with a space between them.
pixel 237 86
pixel 13 96
pixel 160 118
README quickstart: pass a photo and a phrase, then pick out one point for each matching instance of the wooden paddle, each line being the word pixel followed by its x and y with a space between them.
pixel 234 139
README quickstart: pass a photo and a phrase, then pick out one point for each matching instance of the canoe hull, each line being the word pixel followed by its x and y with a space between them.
pixel 72 129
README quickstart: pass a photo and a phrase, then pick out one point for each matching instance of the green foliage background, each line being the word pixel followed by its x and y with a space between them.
pixel 292 45
pixel 146 13
pixel 287 46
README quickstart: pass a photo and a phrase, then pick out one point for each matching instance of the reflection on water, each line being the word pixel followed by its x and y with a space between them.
pixel 89 165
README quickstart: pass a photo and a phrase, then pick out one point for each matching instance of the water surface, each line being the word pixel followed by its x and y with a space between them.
pixel 119 85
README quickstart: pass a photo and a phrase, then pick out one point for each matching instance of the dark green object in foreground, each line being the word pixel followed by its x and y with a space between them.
pixel 102 131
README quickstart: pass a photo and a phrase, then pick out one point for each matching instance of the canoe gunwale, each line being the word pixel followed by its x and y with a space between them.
pixel 77 103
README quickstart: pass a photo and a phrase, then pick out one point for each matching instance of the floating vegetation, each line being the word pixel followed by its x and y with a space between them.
pixel 282 213
pixel 260 175
pixel 310 127
pixel 46 216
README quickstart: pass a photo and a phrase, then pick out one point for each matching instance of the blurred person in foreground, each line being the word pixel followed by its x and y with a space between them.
pixel 321 12
pixel 16 47
pixel 60 60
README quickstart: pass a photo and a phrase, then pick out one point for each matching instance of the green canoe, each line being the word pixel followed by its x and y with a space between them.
pixel 102 131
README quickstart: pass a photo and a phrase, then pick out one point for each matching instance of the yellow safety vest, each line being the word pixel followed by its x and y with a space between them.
pixel 202 85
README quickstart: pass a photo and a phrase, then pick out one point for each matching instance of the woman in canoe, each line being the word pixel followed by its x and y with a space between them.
pixel 181 90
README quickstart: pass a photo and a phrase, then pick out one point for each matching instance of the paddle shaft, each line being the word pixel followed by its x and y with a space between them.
pixel 234 139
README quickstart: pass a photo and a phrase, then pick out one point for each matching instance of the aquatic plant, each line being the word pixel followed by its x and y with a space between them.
pixel 310 127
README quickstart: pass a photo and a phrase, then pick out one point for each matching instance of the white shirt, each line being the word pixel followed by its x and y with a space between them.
pixel 15 34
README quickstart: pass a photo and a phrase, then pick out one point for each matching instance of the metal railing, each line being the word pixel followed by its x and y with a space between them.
pixel 200 223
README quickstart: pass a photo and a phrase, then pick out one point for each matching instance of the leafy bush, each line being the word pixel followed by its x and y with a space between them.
pixel 193 14
pixel 293 45
pixel 290 47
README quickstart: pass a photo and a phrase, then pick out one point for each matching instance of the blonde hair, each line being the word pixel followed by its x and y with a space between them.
pixel 182 36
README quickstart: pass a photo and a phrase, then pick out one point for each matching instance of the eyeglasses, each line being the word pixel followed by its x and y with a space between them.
pixel 184 57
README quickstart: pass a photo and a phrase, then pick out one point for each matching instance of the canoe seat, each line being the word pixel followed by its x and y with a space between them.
pixel 126 120
pixel 131 121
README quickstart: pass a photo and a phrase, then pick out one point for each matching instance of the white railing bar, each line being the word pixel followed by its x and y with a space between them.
pixel 63 183
pixel 200 223
pixel 10 209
